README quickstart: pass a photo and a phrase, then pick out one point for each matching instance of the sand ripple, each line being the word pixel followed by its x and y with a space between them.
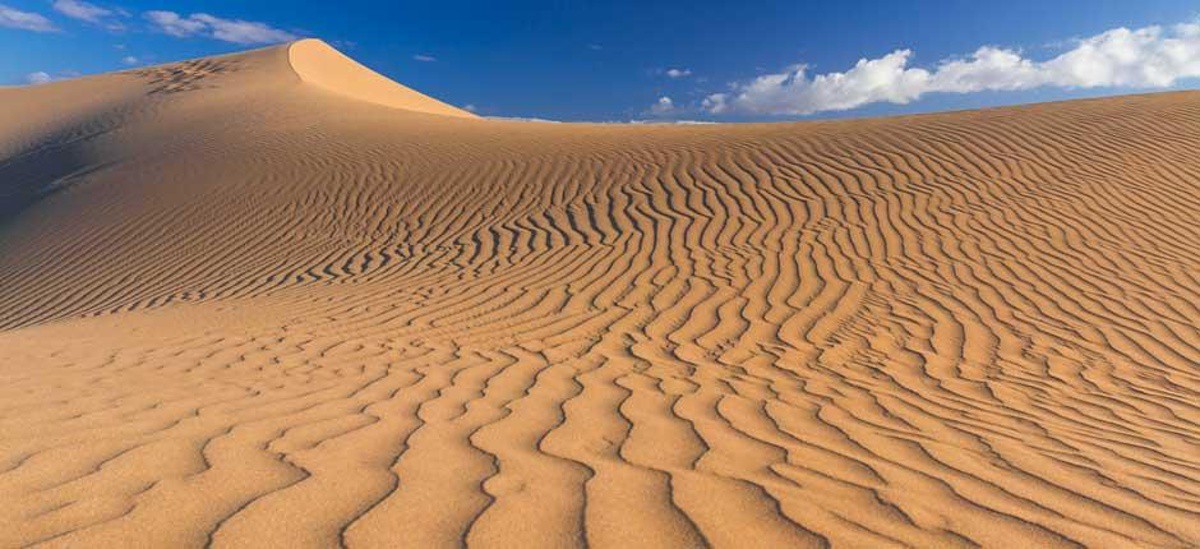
pixel 262 313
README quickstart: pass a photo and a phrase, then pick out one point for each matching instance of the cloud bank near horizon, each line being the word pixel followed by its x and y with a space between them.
pixel 1149 57
pixel 37 78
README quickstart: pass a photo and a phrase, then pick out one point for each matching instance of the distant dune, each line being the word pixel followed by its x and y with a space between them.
pixel 274 299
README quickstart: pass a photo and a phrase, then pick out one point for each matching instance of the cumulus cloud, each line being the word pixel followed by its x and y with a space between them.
pixel 130 60
pixel 24 20
pixel 424 58
pixel 677 73
pixel 1149 57
pixel 39 77
pixel 236 31
pixel 663 106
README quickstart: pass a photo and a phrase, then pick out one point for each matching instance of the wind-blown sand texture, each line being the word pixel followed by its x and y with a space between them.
pixel 269 299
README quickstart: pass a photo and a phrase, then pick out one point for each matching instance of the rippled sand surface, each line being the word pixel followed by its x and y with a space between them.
pixel 271 299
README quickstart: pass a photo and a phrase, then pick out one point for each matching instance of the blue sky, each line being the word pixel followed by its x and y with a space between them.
pixel 617 60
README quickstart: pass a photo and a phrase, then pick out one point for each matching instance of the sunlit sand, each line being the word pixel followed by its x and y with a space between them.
pixel 275 299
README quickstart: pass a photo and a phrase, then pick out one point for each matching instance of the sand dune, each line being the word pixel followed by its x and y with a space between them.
pixel 320 65
pixel 272 299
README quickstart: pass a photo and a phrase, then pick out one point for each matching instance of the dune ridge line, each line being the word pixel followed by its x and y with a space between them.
pixel 316 63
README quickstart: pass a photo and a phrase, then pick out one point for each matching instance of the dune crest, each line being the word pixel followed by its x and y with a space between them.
pixel 319 64
pixel 237 309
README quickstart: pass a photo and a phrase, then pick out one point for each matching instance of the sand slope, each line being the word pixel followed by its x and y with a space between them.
pixel 268 299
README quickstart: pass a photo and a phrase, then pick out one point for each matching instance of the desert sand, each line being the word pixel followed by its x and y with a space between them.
pixel 275 299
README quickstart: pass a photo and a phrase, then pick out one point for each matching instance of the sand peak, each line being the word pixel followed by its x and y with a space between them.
pixel 321 65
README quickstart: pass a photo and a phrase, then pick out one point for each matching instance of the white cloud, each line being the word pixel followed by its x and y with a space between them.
pixel 678 73
pixel 424 58
pixel 129 60
pixel 236 31
pixel 24 20
pixel 83 11
pixel 243 32
pixel 39 77
pixel 90 13
pixel 169 22
pixel 522 119
pixel 1150 57
pixel 470 107
pixel 665 122
pixel 663 106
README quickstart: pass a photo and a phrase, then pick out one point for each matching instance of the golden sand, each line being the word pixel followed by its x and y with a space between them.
pixel 274 299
